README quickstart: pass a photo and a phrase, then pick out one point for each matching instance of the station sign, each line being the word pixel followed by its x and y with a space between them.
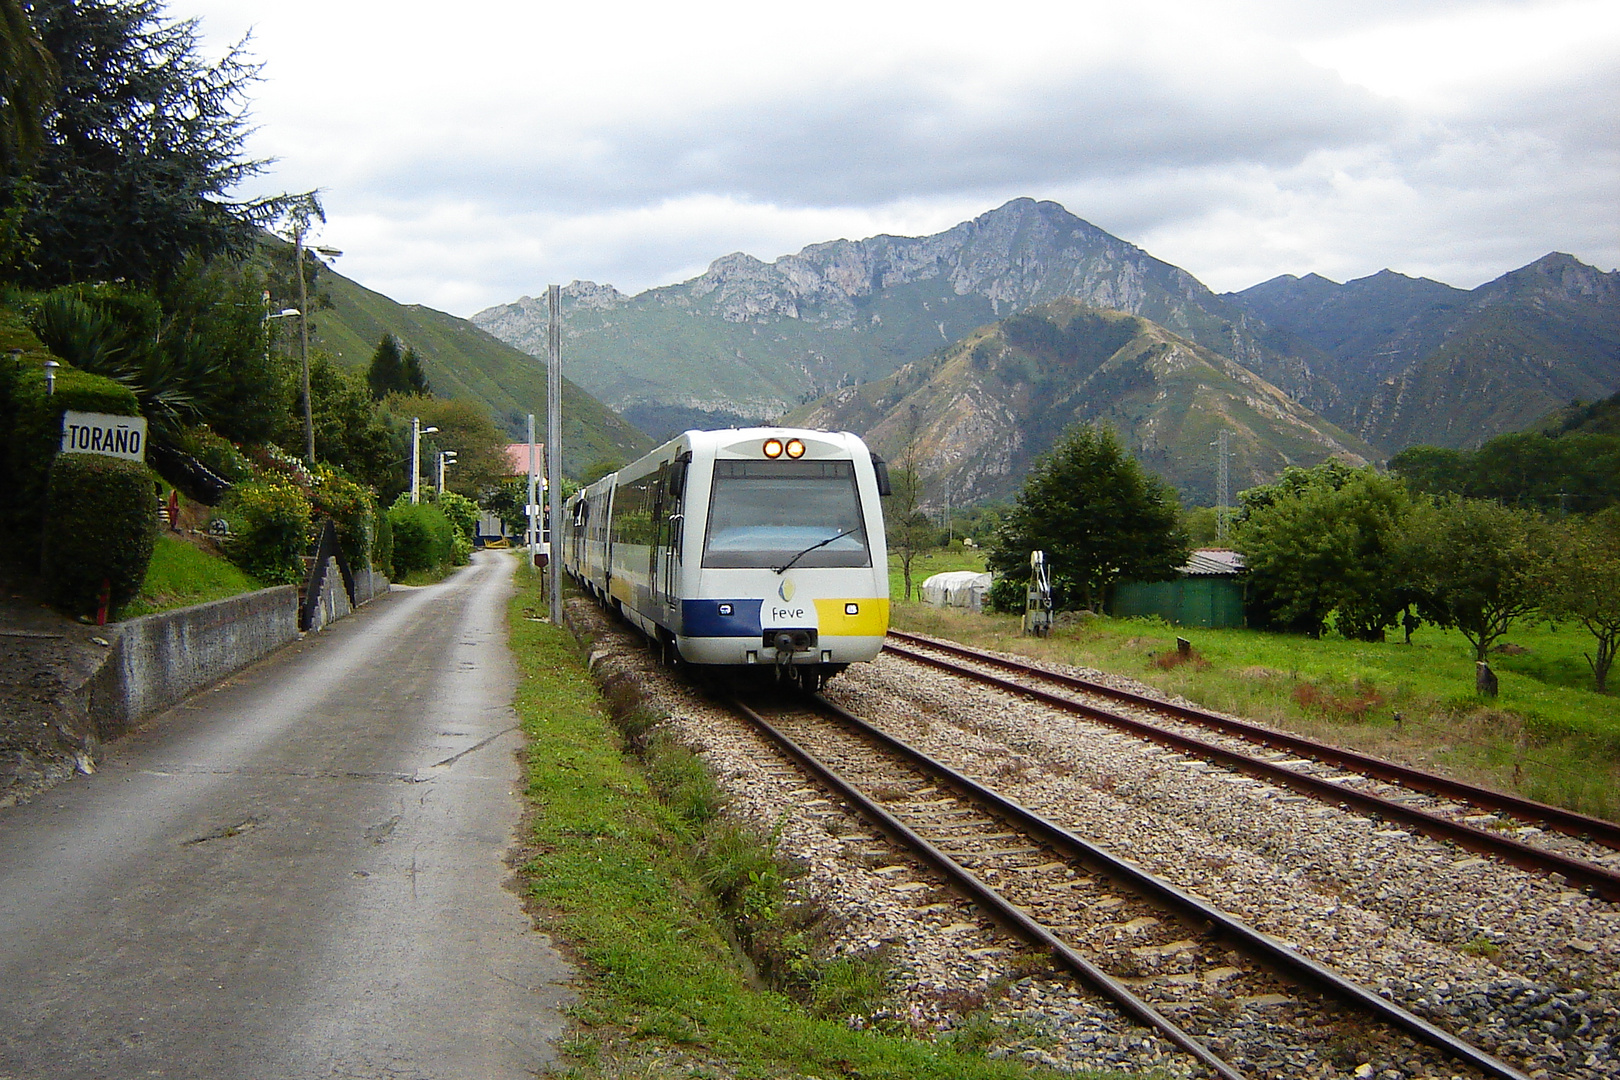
pixel 103 433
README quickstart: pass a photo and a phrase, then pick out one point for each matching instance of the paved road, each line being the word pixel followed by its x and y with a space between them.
pixel 297 874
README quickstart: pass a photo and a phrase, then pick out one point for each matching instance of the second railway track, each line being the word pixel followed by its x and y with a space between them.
pixel 1595 865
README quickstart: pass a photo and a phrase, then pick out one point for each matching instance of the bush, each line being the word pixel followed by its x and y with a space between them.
pixel 382 548
pixel 101 521
pixel 352 510
pixel 270 530
pixel 423 537
pixel 32 424
pixel 462 512
pixel 216 452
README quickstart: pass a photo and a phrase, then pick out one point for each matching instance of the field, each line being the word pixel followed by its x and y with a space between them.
pixel 1547 736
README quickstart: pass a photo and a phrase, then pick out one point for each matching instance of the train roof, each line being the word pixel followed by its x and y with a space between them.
pixel 732 442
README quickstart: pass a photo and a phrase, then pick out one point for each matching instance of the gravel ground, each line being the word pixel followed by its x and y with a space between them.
pixel 1503 958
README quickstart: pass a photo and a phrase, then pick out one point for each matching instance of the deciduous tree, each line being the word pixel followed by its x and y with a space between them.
pixel 1583 584
pixel 464 427
pixel 1330 540
pixel 1479 566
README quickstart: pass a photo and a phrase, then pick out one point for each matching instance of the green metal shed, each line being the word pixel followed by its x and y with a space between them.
pixel 1209 592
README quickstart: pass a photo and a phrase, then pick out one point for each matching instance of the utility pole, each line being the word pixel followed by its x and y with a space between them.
pixel 303 343
pixel 554 442
pixel 532 507
pixel 303 331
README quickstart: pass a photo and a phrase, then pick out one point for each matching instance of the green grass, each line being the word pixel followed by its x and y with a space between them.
pixel 181 574
pixel 614 872
pixel 1547 736
pixel 428 577
pixel 937 561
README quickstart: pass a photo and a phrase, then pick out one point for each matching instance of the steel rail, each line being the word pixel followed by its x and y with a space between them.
pixel 1603 882
pixel 1195 909
pixel 1001 908
pixel 1568 821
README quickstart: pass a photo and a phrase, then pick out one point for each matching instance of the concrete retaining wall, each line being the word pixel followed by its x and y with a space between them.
pixel 368 585
pixel 159 659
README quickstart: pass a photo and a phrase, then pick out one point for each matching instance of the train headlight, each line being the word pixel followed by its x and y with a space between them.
pixel 795 448
pixel 773 448
pixel 852 609
pixel 725 609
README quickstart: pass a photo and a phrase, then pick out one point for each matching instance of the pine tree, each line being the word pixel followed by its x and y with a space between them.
pixel 386 374
pixel 413 379
pixel 143 145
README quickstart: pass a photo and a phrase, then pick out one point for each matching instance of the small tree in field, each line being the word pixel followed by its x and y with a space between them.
pixel 1583 584
pixel 910 532
pixel 1099 516
pixel 1480 567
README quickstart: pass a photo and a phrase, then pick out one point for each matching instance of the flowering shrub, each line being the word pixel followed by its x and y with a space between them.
pixel 270 529
pixel 352 510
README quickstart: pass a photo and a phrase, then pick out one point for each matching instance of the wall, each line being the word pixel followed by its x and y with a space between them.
pixel 159 659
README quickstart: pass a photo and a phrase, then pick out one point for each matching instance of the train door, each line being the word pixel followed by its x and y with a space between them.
pixel 670 517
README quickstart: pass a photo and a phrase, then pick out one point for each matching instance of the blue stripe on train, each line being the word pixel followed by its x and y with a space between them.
pixel 702 618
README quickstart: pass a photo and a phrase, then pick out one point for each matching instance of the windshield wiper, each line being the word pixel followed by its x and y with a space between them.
pixel 789 564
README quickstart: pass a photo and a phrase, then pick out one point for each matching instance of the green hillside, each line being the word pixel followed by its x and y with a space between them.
pixel 463 361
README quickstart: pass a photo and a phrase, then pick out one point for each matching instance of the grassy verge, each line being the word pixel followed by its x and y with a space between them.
pixel 181 574
pixel 1546 736
pixel 626 868
pixel 428 577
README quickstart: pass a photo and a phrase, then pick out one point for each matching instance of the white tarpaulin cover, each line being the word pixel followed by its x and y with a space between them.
pixel 956 588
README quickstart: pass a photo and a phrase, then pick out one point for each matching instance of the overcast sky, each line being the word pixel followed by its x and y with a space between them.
pixel 469 154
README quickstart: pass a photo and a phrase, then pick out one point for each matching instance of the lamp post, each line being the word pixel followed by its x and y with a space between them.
pixel 417 431
pixel 446 457
pixel 303 334
pixel 284 313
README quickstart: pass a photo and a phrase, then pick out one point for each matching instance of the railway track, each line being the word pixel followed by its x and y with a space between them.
pixel 1301 758
pixel 1169 960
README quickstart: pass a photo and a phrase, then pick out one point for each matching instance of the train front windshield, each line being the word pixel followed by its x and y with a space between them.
pixel 764 513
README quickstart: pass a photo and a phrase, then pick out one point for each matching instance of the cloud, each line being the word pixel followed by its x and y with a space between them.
pixel 468 158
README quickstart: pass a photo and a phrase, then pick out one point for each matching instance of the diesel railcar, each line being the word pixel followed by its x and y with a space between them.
pixel 758 548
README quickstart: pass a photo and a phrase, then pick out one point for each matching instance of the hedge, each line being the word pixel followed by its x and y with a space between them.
pixel 101 524
pixel 31 428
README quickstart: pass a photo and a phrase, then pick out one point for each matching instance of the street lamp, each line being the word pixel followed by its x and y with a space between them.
pixel 446 457
pixel 50 376
pixel 417 431
pixel 303 334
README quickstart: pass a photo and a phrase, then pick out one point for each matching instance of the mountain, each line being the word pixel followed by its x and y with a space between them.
pixel 750 339
pixel 1417 361
pixel 463 361
pixel 980 410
